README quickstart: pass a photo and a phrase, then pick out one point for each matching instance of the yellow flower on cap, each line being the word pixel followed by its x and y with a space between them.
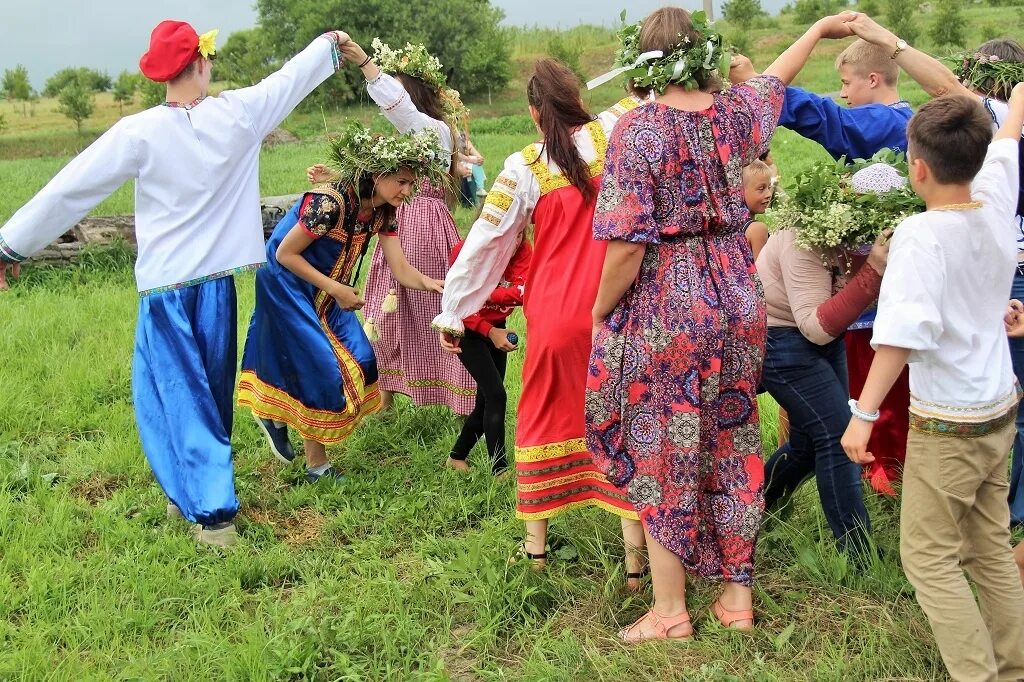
pixel 208 43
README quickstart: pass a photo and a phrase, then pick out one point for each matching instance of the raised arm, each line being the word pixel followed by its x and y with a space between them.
pixel 87 180
pixel 789 63
pixel 271 100
pixel 489 246
pixel 393 100
pixel 931 74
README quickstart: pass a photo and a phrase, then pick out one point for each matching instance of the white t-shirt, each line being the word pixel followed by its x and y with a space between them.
pixel 944 295
pixel 998 111
pixel 196 172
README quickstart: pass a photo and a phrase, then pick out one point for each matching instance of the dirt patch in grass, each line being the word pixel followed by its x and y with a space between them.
pixel 97 488
pixel 297 527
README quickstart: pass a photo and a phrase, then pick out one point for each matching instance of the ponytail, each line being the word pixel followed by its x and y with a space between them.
pixel 554 91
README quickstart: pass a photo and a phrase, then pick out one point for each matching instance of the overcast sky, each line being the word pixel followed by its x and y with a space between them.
pixel 111 35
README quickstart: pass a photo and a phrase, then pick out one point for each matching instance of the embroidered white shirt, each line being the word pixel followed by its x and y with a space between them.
pixel 196 171
pixel 507 210
pixel 944 295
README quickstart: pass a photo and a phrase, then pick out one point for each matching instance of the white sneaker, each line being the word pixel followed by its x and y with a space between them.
pixel 217 536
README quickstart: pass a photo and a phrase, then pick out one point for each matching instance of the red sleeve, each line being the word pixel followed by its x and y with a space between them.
pixel 455 253
pixel 839 312
pixel 304 210
pixel 515 274
pixel 478 324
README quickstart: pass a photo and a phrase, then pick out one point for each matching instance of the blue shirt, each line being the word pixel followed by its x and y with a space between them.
pixel 854 132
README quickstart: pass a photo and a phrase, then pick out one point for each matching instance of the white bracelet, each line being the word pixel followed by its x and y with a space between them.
pixel 870 417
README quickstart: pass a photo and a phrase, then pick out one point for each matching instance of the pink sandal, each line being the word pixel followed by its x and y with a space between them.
pixel 727 617
pixel 662 625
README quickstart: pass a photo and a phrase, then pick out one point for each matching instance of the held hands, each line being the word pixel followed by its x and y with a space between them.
pixel 499 337
pixel 741 69
pixel 449 342
pixel 347 297
pixel 15 273
pixel 352 52
pixel 855 441
pixel 870 30
pixel 836 26
pixel 319 173
pixel 879 256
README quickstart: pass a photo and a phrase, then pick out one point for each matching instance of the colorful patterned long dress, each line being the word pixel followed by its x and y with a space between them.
pixel 671 402
pixel 307 362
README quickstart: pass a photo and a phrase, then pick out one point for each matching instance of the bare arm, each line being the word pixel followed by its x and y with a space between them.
pixel 789 63
pixel 405 274
pixel 885 369
pixel 930 73
pixel 621 266
pixel 289 254
pixel 1010 130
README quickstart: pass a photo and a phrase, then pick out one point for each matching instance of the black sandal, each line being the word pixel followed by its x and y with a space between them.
pixel 539 560
pixel 638 576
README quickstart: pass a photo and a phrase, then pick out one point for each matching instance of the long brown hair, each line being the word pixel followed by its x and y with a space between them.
pixel 427 99
pixel 554 91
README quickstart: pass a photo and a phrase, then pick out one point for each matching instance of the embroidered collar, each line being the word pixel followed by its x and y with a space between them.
pixel 185 105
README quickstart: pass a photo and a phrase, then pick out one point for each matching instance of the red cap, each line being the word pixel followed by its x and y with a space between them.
pixel 173 45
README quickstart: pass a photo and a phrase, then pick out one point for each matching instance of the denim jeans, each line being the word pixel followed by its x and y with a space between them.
pixel 1017 468
pixel 810 382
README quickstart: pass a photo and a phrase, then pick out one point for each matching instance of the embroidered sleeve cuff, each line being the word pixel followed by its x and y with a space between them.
pixel 9 255
pixel 446 322
pixel 336 57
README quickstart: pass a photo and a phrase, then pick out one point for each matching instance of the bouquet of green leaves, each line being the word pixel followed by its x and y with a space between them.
pixel 827 213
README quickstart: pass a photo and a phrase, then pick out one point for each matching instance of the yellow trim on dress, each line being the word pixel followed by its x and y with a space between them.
pixel 322 426
pixel 555 482
pixel 539 453
pixel 549 181
pixel 551 513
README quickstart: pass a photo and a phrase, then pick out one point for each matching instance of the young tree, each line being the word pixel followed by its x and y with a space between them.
pixel 124 90
pixel 899 15
pixel 77 103
pixel 869 7
pixel 568 53
pixel 16 86
pixel 742 13
pixel 153 93
pixel 948 25
pixel 246 58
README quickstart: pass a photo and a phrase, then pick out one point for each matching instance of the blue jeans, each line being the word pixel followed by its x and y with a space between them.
pixel 810 382
pixel 1017 468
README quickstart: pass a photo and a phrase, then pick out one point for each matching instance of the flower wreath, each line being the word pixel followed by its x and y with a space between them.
pixel 689 62
pixel 415 61
pixel 828 212
pixel 986 72
pixel 355 152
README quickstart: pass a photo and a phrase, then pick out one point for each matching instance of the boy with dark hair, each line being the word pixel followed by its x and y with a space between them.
pixel 941 309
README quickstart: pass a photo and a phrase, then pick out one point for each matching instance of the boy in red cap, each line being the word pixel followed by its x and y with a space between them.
pixel 195 162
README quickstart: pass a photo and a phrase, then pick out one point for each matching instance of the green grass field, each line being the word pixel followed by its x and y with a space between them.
pixel 399 573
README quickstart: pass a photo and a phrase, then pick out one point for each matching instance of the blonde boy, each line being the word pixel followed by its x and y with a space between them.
pixel 941 309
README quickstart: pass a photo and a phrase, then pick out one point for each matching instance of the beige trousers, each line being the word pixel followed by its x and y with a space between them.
pixel 955 518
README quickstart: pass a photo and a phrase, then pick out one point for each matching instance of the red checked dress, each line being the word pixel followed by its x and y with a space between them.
pixel 408 357
pixel 671 404
pixel 554 469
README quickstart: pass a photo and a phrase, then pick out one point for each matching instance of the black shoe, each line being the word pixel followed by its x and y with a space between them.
pixel 277 436
pixel 331 474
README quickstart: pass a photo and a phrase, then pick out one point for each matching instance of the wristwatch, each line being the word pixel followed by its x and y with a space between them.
pixel 900 46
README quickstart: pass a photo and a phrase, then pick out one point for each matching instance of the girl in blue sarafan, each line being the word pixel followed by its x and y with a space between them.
pixel 308 363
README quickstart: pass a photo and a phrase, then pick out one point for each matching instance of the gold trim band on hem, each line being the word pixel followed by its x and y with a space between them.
pixel 539 453
pixel 551 513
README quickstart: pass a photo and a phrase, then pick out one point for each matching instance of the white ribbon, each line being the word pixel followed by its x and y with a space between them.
pixel 709 57
pixel 640 61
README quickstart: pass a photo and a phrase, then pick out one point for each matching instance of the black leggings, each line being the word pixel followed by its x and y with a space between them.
pixel 487 365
